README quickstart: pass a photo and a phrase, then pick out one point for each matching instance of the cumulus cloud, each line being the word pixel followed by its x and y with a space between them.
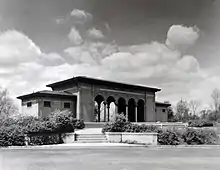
pixel 16 48
pixel 94 33
pixel 51 59
pixel 155 64
pixel 90 52
pixel 181 37
pixel 75 37
pixel 80 16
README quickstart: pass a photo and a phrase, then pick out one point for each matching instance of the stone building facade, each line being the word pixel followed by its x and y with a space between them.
pixel 93 100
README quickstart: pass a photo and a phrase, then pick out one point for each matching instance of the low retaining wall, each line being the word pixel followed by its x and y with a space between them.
pixel 141 138
pixel 69 138
pixel 165 125
pixel 65 138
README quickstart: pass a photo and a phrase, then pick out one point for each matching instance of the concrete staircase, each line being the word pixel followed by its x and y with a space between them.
pixel 90 135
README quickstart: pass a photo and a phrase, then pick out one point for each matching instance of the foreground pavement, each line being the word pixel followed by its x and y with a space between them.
pixel 110 158
pixel 108 145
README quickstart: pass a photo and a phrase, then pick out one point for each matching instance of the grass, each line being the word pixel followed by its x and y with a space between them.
pixel 110 159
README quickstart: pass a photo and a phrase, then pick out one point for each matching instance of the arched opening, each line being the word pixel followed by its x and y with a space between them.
pixel 99 101
pixel 131 110
pixel 122 106
pixel 140 111
pixel 111 108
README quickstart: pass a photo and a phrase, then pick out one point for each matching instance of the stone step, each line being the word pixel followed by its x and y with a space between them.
pixel 91 141
pixel 88 137
pixel 91 138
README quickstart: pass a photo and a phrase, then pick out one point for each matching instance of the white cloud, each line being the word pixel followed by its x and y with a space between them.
pixel 94 33
pixel 181 37
pixel 150 64
pixel 51 59
pixel 75 37
pixel 90 52
pixel 80 16
pixel 16 48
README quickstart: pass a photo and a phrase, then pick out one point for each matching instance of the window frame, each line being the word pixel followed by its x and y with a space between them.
pixel 64 105
pixel 48 104
pixel 29 104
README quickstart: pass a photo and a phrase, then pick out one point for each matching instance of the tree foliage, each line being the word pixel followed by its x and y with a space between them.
pixel 7 106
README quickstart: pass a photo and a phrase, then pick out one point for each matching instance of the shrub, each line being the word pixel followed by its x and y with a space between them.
pixel 135 128
pixel 200 123
pixel 79 124
pixel 118 124
pixel 169 137
pixel 46 130
pixel 61 121
pixel 11 136
pixel 200 137
pixel 187 136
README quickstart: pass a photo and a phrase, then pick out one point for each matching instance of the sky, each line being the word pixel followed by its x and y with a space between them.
pixel 170 44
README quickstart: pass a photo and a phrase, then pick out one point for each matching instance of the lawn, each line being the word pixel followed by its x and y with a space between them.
pixel 110 159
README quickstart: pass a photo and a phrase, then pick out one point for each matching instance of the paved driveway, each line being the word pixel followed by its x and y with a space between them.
pixel 110 159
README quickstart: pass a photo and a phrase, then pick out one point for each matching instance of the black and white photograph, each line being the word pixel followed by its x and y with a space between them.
pixel 109 84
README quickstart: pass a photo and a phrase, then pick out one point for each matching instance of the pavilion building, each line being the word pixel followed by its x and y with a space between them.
pixel 97 100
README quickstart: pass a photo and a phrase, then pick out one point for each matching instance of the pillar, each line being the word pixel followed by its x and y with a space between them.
pixel 116 109
pixel 104 112
pixel 99 112
pixel 136 113
pixel 108 112
pixel 126 114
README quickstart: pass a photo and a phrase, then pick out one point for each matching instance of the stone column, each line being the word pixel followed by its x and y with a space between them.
pixel 116 109
pixel 99 112
pixel 104 112
pixel 126 112
pixel 108 112
pixel 136 113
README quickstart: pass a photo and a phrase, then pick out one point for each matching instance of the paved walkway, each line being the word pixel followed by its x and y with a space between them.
pixel 110 145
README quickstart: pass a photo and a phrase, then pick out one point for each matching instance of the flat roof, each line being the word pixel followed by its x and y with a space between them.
pixel 163 104
pixel 46 93
pixel 97 81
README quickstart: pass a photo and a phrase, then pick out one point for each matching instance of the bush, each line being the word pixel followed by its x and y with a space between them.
pixel 46 130
pixel 79 124
pixel 200 123
pixel 187 136
pixel 200 137
pixel 135 128
pixel 61 121
pixel 120 124
pixel 11 136
pixel 169 137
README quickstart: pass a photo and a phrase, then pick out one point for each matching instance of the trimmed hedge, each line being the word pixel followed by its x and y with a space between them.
pixel 48 130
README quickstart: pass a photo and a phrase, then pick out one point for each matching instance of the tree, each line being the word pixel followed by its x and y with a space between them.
pixel 7 106
pixel 216 99
pixel 170 114
pixel 193 106
pixel 182 111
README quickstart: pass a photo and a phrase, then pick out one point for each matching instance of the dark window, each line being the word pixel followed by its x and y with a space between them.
pixel 66 105
pixel 29 104
pixel 164 110
pixel 47 104
pixel 155 110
